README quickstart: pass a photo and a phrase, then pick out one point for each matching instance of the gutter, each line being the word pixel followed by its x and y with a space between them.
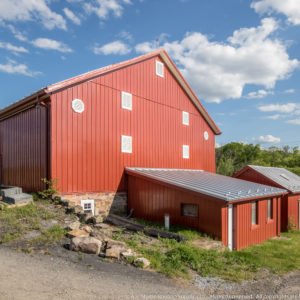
pixel 24 104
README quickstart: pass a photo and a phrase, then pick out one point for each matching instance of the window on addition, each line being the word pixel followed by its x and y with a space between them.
pixel 254 213
pixel 270 209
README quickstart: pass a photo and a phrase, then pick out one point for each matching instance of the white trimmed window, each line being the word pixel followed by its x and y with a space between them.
pixel 159 67
pixel 254 214
pixel 185 151
pixel 126 100
pixel 185 118
pixel 206 135
pixel 126 144
pixel 88 206
pixel 270 209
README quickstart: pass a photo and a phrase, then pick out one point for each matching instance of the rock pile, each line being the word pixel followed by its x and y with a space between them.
pixel 90 235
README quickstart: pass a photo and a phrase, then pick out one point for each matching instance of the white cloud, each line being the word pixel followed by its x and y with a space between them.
pixel 281 108
pixel 14 49
pixel 295 121
pixel 217 145
pixel 116 47
pixel 268 139
pixel 218 71
pixel 49 44
pixel 259 94
pixel 290 91
pixel 70 15
pixel 273 117
pixel 31 10
pixel 102 8
pixel 290 8
pixel 126 35
pixel 12 67
pixel 17 34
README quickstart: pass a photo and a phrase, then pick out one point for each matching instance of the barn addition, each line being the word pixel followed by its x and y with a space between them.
pixel 281 178
pixel 237 212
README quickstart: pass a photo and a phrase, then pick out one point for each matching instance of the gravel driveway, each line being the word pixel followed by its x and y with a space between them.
pixel 68 275
pixel 24 276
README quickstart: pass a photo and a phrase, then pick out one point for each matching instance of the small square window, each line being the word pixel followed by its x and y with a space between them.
pixel 159 69
pixel 185 118
pixel 185 151
pixel 88 206
pixel 126 100
pixel 126 144
pixel 189 210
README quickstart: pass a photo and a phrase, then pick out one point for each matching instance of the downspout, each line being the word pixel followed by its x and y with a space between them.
pixel 230 227
pixel 278 217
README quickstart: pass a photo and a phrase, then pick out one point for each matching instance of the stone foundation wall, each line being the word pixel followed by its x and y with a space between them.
pixel 105 203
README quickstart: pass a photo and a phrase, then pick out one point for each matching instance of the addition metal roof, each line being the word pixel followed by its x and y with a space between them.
pixel 218 186
pixel 281 176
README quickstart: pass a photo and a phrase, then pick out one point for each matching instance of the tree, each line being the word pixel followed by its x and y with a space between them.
pixel 234 156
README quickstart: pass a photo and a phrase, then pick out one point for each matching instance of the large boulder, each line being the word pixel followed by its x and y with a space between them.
pixel 86 228
pixel 88 245
pixel 77 233
pixel 114 248
pixel 142 262
pixel 73 225
pixel 96 219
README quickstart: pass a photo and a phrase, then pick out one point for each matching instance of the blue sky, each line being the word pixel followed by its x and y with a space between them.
pixel 241 57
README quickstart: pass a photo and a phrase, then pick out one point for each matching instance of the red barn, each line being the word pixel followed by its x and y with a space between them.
pixel 141 113
pixel 281 178
pixel 85 130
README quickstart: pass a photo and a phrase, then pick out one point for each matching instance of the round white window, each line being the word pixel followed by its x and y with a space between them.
pixel 78 106
pixel 206 135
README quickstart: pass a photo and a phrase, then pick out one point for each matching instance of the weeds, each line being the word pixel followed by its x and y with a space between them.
pixel 14 222
pixel 51 189
pixel 50 236
pixel 177 259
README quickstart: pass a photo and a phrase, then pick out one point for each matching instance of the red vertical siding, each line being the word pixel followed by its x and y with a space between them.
pixel 289 203
pixel 246 234
pixel 293 208
pixel 24 149
pixel 86 148
pixel 151 201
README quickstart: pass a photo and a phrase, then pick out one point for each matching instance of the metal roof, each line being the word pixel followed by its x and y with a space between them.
pixel 281 176
pixel 218 186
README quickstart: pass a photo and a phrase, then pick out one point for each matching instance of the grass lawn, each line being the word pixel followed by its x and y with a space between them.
pixel 17 221
pixel 179 259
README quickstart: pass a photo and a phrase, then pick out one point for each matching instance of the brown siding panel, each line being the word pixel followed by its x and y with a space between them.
pixel 24 149
pixel 151 201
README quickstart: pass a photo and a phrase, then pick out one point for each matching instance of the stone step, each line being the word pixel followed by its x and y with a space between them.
pixel 18 198
pixel 10 191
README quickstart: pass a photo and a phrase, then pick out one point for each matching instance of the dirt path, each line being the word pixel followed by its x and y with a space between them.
pixel 24 276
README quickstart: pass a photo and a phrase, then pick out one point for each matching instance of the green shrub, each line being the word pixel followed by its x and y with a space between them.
pixel 51 189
